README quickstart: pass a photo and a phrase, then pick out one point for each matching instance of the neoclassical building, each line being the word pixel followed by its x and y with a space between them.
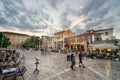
pixel 16 39
pixel 106 34
pixel 85 41
pixel 59 38
pixel 47 42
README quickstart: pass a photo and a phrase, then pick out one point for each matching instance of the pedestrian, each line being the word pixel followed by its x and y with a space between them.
pixel 80 56
pixel 59 51
pixel 76 53
pixel 1 64
pixel 68 56
pixel 14 57
pixel 14 51
pixel 72 61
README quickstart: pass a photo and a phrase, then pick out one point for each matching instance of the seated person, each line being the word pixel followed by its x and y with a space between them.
pixel 8 61
pixel 14 57
pixel 1 64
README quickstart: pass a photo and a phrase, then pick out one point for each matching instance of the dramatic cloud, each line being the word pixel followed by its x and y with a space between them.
pixel 54 3
pixel 92 14
pixel 45 17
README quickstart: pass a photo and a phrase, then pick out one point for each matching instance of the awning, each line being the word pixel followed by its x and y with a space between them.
pixel 75 43
pixel 105 46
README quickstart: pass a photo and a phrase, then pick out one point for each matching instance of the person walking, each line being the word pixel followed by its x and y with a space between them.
pixel 80 56
pixel 59 51
pixel 72 61
pixel 68 56
pixel 76 53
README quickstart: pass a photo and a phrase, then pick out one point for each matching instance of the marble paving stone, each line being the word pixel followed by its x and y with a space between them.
pixel 55 67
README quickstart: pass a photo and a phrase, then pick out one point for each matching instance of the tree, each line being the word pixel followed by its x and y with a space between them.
pixel 32 42
pixel 41 43
pixel 4 41
pixel 115 42
pixel 27 43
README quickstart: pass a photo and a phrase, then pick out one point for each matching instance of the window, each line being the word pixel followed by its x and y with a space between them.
pixel 65 41
pixel 74 40
pixel 107 38
pixel 100 38
pixel 78 39
pixel 96 38
pixel 70 40
pixel 83 39
pixel 89 40
pixel 106 33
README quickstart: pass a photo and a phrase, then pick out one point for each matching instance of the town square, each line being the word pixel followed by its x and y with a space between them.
pixel 54 66
pixel 59 40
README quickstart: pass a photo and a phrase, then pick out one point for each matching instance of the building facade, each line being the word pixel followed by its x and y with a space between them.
pixel 106 34
pixel 51 42
pixel 59 38
pixel 82 42
pixel 16 39
pixel 47 42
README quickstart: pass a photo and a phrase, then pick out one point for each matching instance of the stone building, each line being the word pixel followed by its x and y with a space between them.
pixel 47 42
pixel 106 34
pixel 59 38
pixel 16 39
pixel 83 41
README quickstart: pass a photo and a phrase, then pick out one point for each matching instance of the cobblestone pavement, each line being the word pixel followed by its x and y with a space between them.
pixel 55 67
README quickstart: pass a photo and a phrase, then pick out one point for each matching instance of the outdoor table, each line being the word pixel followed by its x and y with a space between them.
pixel 9 70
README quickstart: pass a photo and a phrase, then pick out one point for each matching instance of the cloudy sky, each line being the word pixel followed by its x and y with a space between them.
pixel 45 17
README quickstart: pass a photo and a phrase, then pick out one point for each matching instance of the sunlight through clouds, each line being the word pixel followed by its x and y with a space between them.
pixel 78 21
pixel 49 16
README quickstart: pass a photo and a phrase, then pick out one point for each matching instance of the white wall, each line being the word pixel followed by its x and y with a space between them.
pixel 104 36
pixel 93 38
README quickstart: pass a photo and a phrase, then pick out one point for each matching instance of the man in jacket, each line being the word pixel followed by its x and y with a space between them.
pixel 80 56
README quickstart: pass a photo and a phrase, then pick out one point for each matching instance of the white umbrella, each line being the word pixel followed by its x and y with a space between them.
pixel 105 46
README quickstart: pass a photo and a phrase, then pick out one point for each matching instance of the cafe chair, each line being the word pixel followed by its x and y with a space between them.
pixel 21 71
pixel 6 66
pixel 10 76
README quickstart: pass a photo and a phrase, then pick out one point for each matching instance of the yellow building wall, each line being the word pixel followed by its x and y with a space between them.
pixel 16 40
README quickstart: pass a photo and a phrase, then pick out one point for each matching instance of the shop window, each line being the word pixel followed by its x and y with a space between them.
pixel 100 38
pixel 78 40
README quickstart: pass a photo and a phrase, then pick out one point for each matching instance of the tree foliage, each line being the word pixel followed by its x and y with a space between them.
pixel 4 41
pixel 32 42
pixel 115 42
